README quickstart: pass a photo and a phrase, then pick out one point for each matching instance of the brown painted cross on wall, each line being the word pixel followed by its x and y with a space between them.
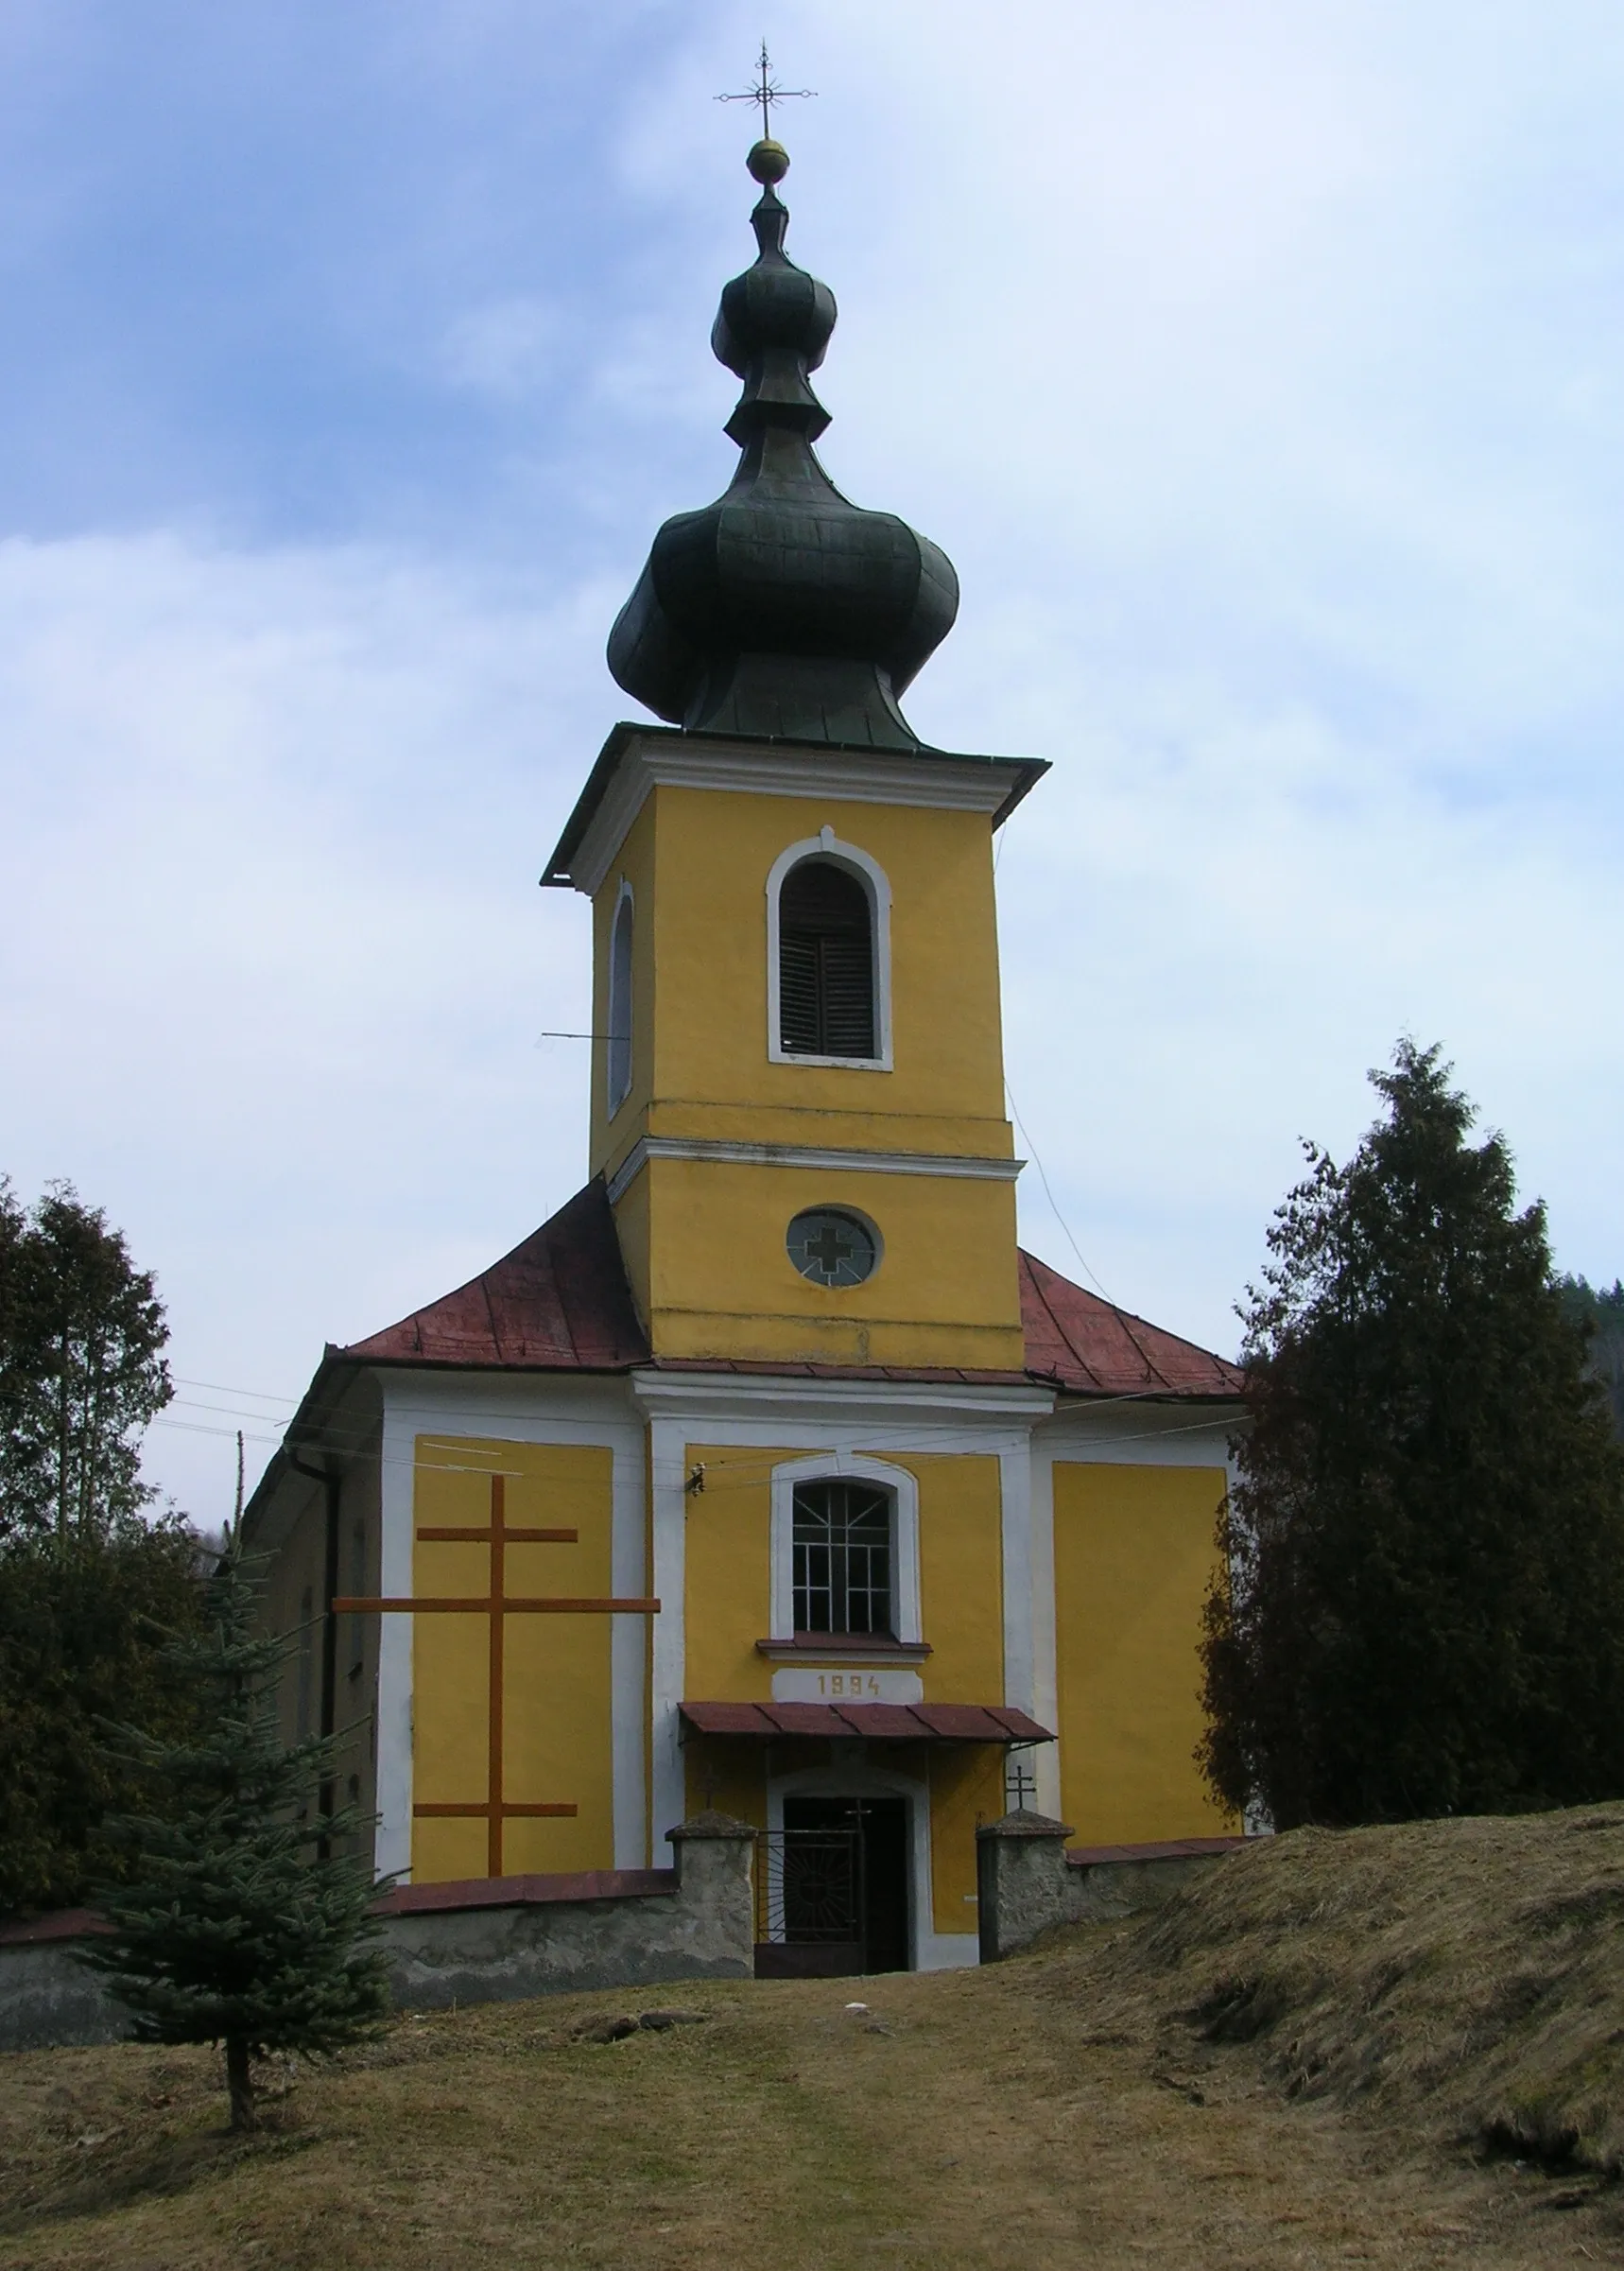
pixel 498 1605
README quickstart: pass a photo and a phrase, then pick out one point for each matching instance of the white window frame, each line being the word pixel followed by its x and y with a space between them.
pixel 831 1466
pixel 624 903
pixel 869 873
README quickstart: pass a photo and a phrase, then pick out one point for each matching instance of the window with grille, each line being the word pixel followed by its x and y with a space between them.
pixel 825 962
pixel 841 1537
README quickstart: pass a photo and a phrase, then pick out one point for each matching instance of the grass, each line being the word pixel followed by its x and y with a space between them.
pixel 1399 2047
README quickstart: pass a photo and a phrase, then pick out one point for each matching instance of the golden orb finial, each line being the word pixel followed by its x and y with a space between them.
pixel 768 161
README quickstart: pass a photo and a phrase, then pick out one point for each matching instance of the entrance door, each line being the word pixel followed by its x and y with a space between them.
pixel 879 1830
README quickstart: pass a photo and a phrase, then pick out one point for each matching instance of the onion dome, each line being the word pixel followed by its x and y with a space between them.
pixel 781 609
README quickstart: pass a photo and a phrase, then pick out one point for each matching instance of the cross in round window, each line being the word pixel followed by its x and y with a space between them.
pixel 832 1248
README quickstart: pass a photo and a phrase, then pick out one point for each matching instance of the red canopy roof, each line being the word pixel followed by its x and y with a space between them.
pixel 879 1722
pixel 560 1303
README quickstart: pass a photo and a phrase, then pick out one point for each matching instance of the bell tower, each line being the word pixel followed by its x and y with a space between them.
pixel 798 1102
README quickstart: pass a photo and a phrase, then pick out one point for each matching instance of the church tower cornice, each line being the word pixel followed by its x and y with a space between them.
pixel 635 758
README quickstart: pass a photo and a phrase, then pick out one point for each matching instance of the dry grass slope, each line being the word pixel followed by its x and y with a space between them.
pixel 1465 1977
pixel 1393 2047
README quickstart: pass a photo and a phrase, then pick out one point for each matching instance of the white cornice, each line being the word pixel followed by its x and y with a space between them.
pixel 859 776
pixel 715 1398
pixel 796 1154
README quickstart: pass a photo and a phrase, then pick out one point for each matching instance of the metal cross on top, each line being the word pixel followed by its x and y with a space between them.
pixel 497 1604
pixel 766 91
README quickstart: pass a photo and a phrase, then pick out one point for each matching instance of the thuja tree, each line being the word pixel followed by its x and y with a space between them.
pixel 244 1921
pixel 1421 1605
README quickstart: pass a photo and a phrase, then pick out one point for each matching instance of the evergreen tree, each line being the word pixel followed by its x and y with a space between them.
pixel 84 1623
pixel 242 1923
pixel 1600 1314
pixel 1423 1610
pixel 82 1366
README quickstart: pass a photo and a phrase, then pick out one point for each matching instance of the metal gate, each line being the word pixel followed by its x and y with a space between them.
pixel 809 1903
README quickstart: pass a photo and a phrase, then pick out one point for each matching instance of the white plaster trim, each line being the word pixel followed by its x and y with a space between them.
pixel 949 1951
pixel 856 776
pixel 838 1408
pixel 668 1462
pixel 952 1164
pixel 397 1483
pixel 1131 1432
pixel 903 1492
pixel 876 885
pixel 627 1660
pixel 1044 1705
pixel 1015 1530
pixel 614 1010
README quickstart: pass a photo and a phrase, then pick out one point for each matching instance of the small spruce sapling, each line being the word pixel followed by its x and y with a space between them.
pixel 242 1921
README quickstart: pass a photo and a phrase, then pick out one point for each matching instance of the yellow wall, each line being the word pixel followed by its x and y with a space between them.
pixel 704 1240
pixel 721 1283
pixel 632 865
pixel 966 1787
pixel 729 1592
pixel 729 1607
pixel 1133 1555
pixel 697 861
pixel 556 1691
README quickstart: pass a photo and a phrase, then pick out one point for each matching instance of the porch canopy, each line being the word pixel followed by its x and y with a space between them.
pixel 875 1721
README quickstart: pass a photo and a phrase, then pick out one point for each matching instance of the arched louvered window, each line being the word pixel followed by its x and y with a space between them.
pixel 825 962
pixel 619 1067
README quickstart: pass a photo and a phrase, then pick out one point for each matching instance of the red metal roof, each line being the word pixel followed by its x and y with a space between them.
pixel 879 1722
pixel 560 1303
pixel 1090 1347
pixel 557 1302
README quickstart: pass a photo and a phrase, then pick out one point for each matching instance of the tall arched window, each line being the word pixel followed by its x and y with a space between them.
pixel 620 1002
pixel 825 962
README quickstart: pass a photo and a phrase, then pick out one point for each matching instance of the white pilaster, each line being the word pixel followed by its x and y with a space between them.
pixel 629 1656
pixel 669 1461
pixel 1045 1683
pixel 395 1499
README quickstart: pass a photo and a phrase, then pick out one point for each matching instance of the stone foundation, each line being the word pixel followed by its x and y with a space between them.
pixel 491 1940
pixel 1027 1881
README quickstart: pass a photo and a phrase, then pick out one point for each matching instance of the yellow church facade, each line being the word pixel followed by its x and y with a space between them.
pixel 770 1475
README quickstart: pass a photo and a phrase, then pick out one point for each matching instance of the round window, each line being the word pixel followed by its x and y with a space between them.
pixel 832 1248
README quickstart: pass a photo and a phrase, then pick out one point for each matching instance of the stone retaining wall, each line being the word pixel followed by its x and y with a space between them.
pixel 1027 1881
pixel 490 1940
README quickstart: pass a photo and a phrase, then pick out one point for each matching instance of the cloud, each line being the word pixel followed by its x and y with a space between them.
pixel 274 959
pixel 1261 369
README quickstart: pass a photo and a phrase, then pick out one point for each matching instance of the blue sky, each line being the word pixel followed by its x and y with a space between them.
pixel 1261 369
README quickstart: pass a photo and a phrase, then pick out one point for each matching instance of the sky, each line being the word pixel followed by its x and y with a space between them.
pixel 1260 368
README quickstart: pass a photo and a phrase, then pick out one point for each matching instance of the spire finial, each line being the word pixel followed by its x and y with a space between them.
pixel 769 160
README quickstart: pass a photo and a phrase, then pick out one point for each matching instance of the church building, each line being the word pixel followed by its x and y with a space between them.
pixel 769 1474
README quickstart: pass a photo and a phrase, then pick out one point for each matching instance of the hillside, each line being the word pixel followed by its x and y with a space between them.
pixel 1400 2047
